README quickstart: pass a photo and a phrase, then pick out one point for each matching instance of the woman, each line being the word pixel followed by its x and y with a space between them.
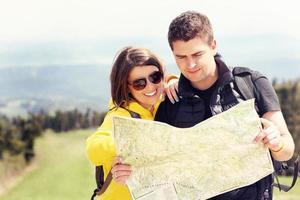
pixel 136 86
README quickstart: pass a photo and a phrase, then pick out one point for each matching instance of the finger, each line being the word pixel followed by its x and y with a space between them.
pixel 174 93
pixel 167 91
pixel 269 138
pixel 259 137
pixel 266 123
pixel 273 144
pixel 269 130
pixel 121 179
pixel 272 139
pixel 176 87
pixel 163 96
pixel 272 130
pixel 121 167
pixel 121 173
pixel 121 176
pixel 117 160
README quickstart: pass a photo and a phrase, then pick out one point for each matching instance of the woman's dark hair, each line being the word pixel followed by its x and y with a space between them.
pixel 124 62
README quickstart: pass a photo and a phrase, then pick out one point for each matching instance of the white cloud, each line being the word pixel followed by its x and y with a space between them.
pixel 91 19
pixel 39 32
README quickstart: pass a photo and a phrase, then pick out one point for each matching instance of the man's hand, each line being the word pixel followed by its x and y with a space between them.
pixel 270 136
pixel 120 172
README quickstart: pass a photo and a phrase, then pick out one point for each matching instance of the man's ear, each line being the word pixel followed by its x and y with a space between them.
pixel 213 46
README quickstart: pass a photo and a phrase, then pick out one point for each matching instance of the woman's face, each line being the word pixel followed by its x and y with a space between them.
pixel 146 85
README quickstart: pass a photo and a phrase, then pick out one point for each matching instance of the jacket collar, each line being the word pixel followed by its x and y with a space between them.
pixel 138 108
pixel 185 88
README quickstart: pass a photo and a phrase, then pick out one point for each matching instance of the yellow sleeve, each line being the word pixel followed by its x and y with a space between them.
pixel 100 145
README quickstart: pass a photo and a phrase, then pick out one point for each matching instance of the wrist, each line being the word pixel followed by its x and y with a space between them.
pixel 168 78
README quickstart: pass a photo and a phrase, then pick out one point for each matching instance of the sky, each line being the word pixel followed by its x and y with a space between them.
pixel 81 27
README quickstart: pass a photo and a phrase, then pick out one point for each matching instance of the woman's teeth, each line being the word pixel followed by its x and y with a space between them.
pixel 150 94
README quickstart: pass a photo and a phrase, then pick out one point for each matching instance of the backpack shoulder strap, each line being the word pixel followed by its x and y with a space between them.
pixel 99 175
pixel 295 176
pixel 100 190
pixel 243 80
pixel 133 114
pixel 101 184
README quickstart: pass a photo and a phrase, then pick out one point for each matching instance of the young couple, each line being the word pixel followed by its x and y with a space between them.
pixel 206 87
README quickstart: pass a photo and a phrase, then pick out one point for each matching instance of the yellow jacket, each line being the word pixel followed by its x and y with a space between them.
pixel 101 150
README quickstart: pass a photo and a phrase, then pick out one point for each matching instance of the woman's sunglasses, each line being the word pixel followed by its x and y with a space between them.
pixel 141 83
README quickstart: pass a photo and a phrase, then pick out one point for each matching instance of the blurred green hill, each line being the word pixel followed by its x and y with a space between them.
pixel 61 172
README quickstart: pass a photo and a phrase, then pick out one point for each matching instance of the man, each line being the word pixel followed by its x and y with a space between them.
pixel 207 87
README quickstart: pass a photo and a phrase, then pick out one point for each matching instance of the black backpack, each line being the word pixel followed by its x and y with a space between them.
pixel 99 173
pixel 244 81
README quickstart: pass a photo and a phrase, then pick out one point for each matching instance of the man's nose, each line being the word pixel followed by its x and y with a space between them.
pixel 191 62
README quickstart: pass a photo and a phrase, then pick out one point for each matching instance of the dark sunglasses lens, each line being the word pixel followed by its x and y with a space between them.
pixel 155 77
pixel 139 84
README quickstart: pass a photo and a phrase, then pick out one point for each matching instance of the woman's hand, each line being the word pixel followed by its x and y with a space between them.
pixel 120 172
pixel 171 90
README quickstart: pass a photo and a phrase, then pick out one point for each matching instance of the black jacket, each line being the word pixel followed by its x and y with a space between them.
pixel 190 110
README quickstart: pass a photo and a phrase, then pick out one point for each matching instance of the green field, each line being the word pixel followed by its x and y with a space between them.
pixel 63 172
pixel 293 194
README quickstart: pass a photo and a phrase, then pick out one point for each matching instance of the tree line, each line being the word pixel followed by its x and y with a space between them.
pixel 17 135
pixel 289 97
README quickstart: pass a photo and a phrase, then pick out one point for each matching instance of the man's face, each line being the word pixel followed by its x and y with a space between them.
pixel 195 59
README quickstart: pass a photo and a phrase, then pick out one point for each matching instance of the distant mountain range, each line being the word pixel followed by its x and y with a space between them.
pixel 53 87
pixel 32 87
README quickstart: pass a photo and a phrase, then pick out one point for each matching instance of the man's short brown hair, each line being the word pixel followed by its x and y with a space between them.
pixel 189 25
